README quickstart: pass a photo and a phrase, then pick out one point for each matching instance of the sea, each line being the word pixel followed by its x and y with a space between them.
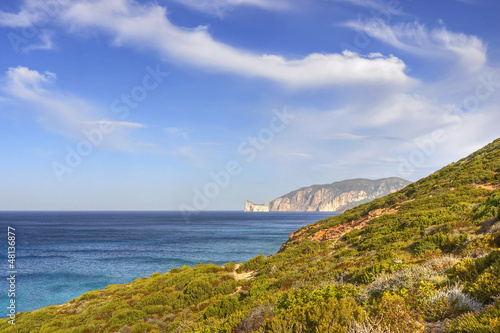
pixel 61 255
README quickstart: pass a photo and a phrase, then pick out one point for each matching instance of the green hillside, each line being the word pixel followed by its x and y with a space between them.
pixel 424 259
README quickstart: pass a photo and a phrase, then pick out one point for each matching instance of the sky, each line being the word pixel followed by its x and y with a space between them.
pixel 201 105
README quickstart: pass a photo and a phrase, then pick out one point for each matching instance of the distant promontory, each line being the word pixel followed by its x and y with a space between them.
pixel 335 197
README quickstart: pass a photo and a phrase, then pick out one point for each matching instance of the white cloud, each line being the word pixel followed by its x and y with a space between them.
pixel 26 83
pixel 178 132
pixel 61 112
pixel 390 6
pixel 416 38
pixel 381 130
pixel 471 2
pixel 147 27
pixel 23 19
pixel 118 124
pixel 220 7
pixel 209 143
pixel 147 144
pixel 302 155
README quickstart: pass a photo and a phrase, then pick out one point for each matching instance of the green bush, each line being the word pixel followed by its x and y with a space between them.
pixel 197 291
pixel 153 299
pixel 230 266
pixel 352 235
pixel 396 314
pixel 489 210
pixel 438 241
pixel 323 317
pixel 487 321
pixel 226 287
pixel 253 264
pixel 480 276
pixel 126 317
pixel 142 327
pixel 222 308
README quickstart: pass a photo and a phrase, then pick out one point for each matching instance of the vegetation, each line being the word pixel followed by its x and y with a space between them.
pixel 427 255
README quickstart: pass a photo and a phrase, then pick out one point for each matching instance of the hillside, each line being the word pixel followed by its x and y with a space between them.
pixel 336 197
pixel 424 259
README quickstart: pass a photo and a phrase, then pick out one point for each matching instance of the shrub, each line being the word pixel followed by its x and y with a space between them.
pixel 352 235
pixel 489 210
pixel 230 266
pixel 253 264
pixel 126 317
pixel 197 291
pixel 255 319
pixel 409 278
pixel 222 308
pixel 323 317
pixel 297 297
pixel 89 295
pixel 368 326
pixel 348 253
pixel 438 241
pixel 424 246
pixel 153 299
pixel 152 309
pixel 486 321
pixel 226 287
pixel 442 263
pixel 487 285
pixel 479 246
pixel 449 303
pixel 456 296
pixel 142 327
pixel 396 314
pixel 480 276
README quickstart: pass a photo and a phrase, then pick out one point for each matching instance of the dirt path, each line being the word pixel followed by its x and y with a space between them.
pixel 242 276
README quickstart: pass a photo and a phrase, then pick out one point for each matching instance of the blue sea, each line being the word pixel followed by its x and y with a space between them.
pixel 61 255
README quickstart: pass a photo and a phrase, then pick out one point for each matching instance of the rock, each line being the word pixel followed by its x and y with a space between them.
pixel 335 197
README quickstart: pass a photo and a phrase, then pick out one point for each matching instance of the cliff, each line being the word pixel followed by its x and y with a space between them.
pixel 335 197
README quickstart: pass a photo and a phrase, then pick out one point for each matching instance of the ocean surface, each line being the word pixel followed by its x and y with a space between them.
pixel 61 255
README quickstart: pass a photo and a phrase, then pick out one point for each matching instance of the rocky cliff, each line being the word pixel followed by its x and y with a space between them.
pixel 335 197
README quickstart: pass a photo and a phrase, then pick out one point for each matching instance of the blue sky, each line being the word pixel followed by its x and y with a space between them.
pixel 197 104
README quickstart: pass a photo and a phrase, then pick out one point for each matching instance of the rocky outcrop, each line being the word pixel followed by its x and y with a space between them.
pixel 251 207
pixel 335 197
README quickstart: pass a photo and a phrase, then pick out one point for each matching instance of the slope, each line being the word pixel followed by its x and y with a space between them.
pixel 424 259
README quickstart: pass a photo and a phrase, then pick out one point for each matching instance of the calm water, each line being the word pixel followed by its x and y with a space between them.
pixel 61 255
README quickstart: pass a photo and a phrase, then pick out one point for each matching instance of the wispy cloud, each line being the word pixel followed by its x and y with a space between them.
pixel 220 7
pixel 209 143
pixel 302 155
pixel 393 7
pixel 147 144
pixel 146 26
pixel 416 38
pixel 471 2
pixel 61 112
pixel 177 132
pixel 116 124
